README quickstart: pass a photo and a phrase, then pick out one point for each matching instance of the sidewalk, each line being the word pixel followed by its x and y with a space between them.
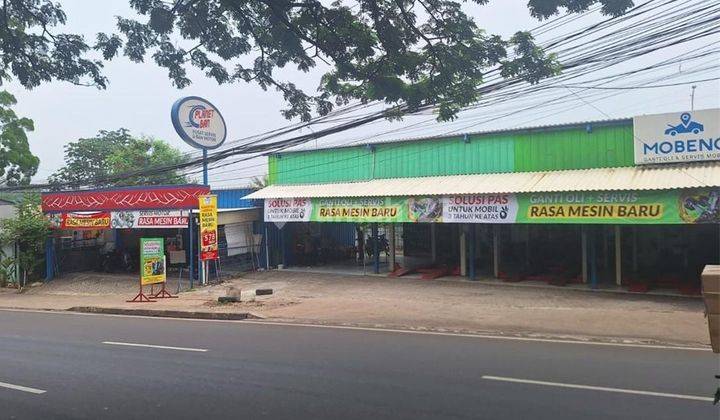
pixel 439 305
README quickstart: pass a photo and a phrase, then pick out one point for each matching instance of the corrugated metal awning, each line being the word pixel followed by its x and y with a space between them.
pixel 598 179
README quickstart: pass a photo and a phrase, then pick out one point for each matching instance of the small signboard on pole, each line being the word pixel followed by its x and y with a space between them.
pixel 208 228
pixel 152 261
pixel 152 269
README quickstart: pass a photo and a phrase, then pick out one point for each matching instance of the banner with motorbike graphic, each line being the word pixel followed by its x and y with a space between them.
pixel 131 219
pixel 602 207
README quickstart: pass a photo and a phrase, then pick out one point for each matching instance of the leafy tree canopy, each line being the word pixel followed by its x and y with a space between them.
pixel 403 52
pixel 32 51
pixel 17 163
pixel 91 161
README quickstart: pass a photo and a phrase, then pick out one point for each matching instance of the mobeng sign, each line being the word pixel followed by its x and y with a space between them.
pixel 677 137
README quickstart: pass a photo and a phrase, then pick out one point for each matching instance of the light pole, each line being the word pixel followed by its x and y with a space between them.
pixel 692 98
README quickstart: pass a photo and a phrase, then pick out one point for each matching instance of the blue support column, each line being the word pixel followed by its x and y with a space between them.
pixel 49 259
pixel 205 168
pixel 376 249
pixel 471 252
pixel 266 246
pixel 282 247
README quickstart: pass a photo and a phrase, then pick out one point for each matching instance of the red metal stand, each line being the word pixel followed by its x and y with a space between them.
pixel 140 297
pixel 162 294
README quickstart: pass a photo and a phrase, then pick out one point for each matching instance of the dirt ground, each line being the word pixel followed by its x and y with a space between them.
pixel 438 305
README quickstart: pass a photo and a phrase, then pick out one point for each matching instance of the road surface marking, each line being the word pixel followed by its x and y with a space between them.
pixel 152 346
pixel 598 388
pixel 21 388
pixel 391 330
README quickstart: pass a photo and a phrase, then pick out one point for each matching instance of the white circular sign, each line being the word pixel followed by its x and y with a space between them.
pixel 198 122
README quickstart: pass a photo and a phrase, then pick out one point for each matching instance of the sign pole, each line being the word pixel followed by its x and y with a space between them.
pixel 203 278
pixel 205 168
pixel 200 124
pixel 191 240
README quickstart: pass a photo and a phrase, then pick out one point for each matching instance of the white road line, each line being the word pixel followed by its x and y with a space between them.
pixel 153 346
pixel 598 388
pixel 21 388
pixel 390 330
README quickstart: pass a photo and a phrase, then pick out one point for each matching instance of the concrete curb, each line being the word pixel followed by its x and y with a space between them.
pixel 493 334
pixel 162 313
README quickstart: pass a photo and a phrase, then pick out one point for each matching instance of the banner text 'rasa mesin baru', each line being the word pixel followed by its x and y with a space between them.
pixel 616 207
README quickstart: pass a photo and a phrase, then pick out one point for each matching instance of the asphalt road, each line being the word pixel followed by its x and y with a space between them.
pixel 72 366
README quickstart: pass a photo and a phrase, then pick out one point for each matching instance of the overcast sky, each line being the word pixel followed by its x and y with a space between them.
pixel 140 95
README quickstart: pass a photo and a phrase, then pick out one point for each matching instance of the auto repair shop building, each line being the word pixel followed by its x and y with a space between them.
pixel 631 203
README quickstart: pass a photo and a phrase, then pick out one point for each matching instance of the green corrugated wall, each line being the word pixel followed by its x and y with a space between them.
pixel 325 165
pixel 575 148
pixel 604 147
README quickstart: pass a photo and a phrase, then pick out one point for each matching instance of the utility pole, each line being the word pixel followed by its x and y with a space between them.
pixel 692 98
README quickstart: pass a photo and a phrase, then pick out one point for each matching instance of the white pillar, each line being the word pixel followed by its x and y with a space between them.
pixel 433 241
pixel 463 252
pixel 584 247
pixel 618 256
pixel 496 251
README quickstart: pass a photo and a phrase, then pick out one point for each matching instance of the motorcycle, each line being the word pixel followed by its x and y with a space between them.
pixel 116 261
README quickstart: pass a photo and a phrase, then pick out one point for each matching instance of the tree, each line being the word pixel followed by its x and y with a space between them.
pixel 144 153
pixel 28 229
pixel 17 163
pixel 403 52
pixel 97 161
pixel 32 53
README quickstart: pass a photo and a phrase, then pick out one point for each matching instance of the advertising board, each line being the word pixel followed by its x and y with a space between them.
pixel 608 207
pixel 208 227
pixel 152 261
pixel 677 137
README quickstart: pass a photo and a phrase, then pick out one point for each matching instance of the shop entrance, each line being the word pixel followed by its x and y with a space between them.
pixel 540 252
pixel 668 257
pixel 321 244
pixel 112 250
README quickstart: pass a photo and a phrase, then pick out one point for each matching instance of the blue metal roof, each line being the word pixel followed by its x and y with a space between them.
pixel 233 198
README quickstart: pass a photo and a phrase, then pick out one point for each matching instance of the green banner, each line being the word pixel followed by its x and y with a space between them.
pixel 152 260
pixel 370 209
pixel 621 207
pixel 598 207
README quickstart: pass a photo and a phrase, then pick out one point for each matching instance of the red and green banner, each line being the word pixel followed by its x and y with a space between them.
pixel 598 207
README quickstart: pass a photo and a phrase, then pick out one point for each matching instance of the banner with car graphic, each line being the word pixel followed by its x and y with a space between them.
pixel 677 137
pixel 602 207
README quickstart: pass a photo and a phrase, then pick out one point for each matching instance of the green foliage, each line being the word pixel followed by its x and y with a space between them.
pixel 144 153
pixel 17 163
pixel 91 161
pixel 7 270
pixel 29 230
pixel 402 52
pixel 407 53
pixel 32 53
